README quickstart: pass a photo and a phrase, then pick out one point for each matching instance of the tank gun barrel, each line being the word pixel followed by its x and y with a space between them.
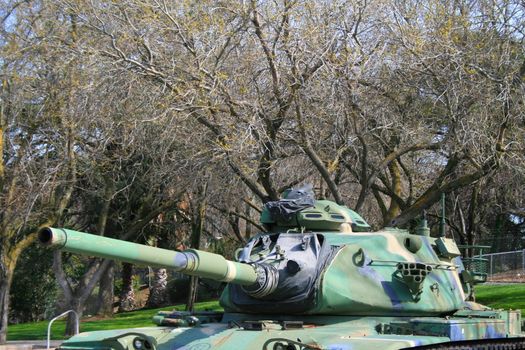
pixel 191 261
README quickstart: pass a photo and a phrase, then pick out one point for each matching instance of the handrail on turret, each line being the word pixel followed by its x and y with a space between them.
pixel 56 318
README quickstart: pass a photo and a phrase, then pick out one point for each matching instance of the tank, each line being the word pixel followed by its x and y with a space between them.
pixel 317 279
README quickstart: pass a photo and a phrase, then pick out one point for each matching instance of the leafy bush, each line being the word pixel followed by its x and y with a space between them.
pixel 34 290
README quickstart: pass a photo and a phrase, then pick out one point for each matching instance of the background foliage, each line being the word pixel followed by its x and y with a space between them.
pixel 171 123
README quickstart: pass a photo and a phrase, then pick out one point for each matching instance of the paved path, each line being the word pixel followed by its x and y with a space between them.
pixel 29 344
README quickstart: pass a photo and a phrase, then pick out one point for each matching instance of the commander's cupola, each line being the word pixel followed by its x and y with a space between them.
pixel 298 210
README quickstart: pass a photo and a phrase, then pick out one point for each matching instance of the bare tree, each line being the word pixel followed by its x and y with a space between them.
pixel 38 165
pixel 383 105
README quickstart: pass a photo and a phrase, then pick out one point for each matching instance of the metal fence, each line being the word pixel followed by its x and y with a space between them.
pixel 506 266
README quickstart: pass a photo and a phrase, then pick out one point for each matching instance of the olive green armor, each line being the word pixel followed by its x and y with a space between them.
pixel 318 279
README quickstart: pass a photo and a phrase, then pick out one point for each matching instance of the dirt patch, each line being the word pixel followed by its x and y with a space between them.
pixel 514 276
pixel 95 318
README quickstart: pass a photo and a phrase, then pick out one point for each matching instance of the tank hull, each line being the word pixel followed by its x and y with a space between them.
pixel 245 331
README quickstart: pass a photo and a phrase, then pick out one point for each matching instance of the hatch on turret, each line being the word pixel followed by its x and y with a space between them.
pixel 300 210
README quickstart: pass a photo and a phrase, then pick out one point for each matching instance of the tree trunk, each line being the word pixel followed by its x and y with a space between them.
pixel 157 292
pixel 248 228
pixel 71 318
pixel 5 286
pixel 192 294
pixel 472 222
pixel 106 292
pixel 76 297
pixel 127 295
pixel 197 227
pixel 394 209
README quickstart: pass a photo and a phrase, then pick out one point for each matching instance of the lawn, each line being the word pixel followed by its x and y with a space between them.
pixel 504 296
pixel 141 318
pixel 496 296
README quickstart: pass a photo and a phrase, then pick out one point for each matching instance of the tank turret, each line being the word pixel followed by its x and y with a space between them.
pixel 311 268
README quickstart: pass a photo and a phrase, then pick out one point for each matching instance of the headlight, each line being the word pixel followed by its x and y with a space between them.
pixel 138 344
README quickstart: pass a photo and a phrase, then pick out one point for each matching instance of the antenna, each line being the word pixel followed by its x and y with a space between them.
pixel 442 223
pixel 422 229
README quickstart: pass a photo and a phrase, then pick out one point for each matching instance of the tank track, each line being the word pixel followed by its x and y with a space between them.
pixel 479 344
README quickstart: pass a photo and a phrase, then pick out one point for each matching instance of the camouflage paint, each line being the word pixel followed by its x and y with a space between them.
pixel 359 302
pixel 370 289
pixel 328 332
pixel 192 262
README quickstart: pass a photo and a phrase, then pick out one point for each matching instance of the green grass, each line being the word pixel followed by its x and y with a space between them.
pixel 507 296
pixel 141 318
pixel 496 296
